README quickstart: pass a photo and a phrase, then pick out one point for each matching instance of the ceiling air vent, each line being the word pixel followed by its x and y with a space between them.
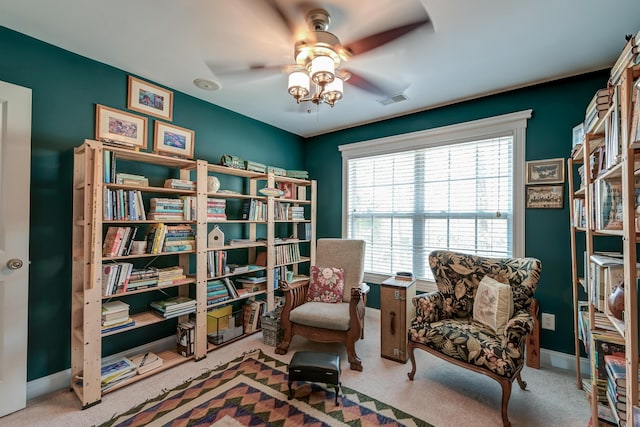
pixel 393 99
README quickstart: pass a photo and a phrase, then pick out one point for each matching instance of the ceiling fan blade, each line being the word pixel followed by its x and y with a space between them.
pixel 283 16
pixel 376 40
pixel 378 87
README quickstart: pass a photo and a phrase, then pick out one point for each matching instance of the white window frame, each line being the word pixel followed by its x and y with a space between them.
pixel 512 124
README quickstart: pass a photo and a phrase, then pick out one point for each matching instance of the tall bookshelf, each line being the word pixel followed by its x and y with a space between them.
pixel 608 220
pixel 244 237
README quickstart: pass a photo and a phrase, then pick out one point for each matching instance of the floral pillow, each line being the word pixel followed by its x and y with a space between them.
pixel 327 284
pixel 493 304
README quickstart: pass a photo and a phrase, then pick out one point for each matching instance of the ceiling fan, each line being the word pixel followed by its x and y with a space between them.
pixel 317 74
pixel 319 55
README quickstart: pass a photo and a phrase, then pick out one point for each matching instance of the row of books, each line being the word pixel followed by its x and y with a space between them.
pixel 166 209
pixel 288 212
pixel 616 369
pixel 254 210
pixel 123 204
pixel 180 184
pixel 163 237
pixel 220 290
pixel 113 372
pixel 118 241
pixel 287 254
pixel 115 277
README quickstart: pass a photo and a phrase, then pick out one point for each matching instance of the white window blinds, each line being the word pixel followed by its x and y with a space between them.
pixel 407 204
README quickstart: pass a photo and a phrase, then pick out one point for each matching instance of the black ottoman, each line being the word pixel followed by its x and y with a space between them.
pixel 317 367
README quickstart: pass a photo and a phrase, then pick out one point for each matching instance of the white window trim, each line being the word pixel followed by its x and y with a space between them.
pixel 512 123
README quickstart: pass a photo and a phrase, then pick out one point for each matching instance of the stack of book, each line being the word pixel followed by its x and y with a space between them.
pixel 115 277
pixel 170 275
pixel 115 316
pixel 179 184
pixel 142 278
pixel 146 362
pixel 131 179
pixel 111 373
pixel 174 306
pixel 179 237
pixel 616 384
pixel 217 291
pixel 254 210
pixel 216 209
pixel 596 109
pixel 253 284
pixel 166 209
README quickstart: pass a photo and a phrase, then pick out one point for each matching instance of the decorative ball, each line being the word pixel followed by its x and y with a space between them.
pixel 213 184
pixel 616 302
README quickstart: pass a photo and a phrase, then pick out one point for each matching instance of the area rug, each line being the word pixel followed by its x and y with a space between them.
pixel 252 390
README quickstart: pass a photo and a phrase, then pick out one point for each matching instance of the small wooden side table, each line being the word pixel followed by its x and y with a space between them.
pixel 396 312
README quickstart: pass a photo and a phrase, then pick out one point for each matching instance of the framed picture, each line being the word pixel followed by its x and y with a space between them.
pixel 173 140
pixel 549 171
pixel 150 99
pixel 545 197
pixel 126 129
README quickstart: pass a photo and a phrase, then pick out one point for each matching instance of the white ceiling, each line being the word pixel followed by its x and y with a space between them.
pixel 470 48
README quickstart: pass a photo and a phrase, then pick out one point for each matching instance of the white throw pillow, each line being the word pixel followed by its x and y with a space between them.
pixel 493 304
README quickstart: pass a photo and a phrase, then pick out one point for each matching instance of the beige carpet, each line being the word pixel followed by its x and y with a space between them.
pixel 441 394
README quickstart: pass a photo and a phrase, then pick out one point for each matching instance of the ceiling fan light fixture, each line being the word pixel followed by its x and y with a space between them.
pixel 206 84
pixel 322 70
pixel 333 91
pixel 298 84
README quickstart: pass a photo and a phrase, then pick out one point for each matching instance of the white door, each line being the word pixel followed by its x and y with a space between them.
pixel 15 162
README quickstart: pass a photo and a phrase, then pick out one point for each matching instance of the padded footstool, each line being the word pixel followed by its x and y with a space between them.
pixel 315 366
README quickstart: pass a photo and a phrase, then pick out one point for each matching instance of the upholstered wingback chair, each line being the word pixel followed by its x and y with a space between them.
pixel 342 321
pixel 447 321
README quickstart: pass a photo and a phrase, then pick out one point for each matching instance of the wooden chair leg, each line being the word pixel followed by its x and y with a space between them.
pixel 413 361
pixel 521 382
pixel 506 394
pixel 354 361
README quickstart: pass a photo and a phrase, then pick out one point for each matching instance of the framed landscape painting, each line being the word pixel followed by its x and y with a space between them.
pixel 549 171
pixel 150 99
pixel 173 140
pixel 119 126
pixel 545 196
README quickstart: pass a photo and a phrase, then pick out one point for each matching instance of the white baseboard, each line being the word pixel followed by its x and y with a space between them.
pixel 62 379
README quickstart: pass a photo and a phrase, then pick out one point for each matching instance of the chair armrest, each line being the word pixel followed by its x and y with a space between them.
pixel 295 294
pixel 429 307
pixel 517 329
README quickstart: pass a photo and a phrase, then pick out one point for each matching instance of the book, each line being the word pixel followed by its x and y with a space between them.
pixel 114 307
pixel 126 324
pixel 114 370
pixel 617 369
pixel 146 362
pixel 173 304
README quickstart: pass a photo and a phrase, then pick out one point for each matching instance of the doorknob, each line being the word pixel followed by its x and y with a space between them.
pixel 14 264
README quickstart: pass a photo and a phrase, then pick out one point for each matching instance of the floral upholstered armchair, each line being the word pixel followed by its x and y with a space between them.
pixel 479 316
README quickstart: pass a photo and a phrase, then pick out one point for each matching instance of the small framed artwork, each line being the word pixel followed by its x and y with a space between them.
pixel 126 129
pixel 545 197
pixel 150 99
pixel 172 140
pixel 549 171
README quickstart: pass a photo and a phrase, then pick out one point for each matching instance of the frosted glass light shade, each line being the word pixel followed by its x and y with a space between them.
pixel 298 84
pixel 322 70
pixel 333 91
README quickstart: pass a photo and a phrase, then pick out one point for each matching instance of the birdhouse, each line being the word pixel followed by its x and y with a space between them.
pixel 215 238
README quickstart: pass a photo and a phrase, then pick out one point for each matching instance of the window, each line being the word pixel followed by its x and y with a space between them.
pixel 448 188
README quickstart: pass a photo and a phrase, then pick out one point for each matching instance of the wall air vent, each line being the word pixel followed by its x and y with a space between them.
pixel 393 99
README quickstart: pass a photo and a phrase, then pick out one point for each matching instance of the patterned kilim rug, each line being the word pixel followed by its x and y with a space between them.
pixel 252 390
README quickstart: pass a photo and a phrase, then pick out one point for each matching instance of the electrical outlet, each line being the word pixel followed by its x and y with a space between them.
pixel 548 321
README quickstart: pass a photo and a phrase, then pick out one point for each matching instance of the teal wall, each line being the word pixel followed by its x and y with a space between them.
pixel 65 89
pixel 67 86
pixel 557 108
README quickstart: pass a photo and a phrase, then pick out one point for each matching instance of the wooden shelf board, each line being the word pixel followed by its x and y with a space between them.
pixel 142 319
pixel 260 244
pixel 292 220
pixel 294 201
pixel 300 261
pixel 234 196
pixel 187 281
pixel 578 156
pixel 608 232
pixel 618 324
pixel 145 255
pixel 149 189
pixel 234 221
pixel 156 159
pixel 148 221
pixel 212 347
pixel 235 274
pixel 225 170
pixel 615 172
pixel 240 298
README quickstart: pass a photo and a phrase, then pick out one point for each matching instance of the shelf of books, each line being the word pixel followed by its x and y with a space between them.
pixel 605 213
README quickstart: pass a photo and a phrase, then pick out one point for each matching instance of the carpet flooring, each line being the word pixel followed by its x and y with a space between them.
pixel 253 391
